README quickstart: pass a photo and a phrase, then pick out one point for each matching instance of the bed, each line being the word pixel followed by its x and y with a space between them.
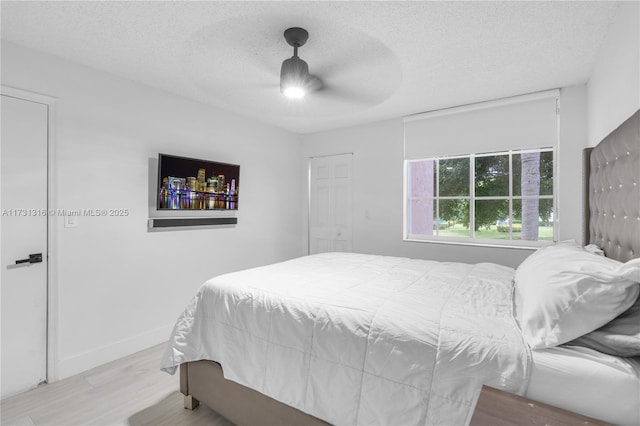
pixel 346 338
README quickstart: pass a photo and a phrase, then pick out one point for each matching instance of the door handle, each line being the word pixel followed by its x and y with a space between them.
pixel 33 258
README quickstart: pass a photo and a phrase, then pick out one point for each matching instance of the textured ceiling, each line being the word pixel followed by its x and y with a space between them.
pixel 378 60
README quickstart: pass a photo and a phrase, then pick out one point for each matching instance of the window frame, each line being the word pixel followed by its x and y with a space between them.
pixel 472 198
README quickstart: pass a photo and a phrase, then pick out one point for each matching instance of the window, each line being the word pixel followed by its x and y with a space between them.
pixel 483 173
pixel 493 197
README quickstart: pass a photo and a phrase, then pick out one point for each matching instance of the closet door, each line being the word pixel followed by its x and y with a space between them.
pixel 330 204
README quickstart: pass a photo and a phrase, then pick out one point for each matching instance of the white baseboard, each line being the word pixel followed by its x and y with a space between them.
pixel 87 360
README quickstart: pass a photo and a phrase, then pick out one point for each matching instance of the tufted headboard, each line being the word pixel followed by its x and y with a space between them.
pixel 613 168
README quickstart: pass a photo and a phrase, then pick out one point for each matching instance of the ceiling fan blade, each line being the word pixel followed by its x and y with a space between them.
pixel 345 96
pixel 314 83
pixel 350 58
pixel 347 74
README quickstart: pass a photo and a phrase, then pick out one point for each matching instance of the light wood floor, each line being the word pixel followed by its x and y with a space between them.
pixel 129 391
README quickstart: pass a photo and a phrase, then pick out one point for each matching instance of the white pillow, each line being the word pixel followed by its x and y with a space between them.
pixel 566 291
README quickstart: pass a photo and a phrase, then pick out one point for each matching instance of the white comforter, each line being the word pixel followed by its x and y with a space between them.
pixel 360 339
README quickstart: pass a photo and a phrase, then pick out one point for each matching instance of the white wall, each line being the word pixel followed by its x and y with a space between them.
pixel 378 180
pixel 119 287
pixel 573 140
pixel 614 85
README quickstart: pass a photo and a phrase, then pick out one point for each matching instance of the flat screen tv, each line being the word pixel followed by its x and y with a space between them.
pixel 192 184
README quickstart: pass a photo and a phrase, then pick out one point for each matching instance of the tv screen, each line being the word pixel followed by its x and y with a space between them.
pixel 192 184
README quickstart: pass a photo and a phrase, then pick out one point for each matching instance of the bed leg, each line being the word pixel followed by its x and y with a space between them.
pixel 190 402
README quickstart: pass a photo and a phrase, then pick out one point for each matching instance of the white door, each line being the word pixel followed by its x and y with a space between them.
pixel 23 170
pixel 330 204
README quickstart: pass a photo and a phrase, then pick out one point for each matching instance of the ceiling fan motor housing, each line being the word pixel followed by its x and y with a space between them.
pixel 296 36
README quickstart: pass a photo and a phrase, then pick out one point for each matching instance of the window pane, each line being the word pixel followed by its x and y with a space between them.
pixel 546 173
pixel 545 231
pixel 491 219
pixel 492 176
pixel 535 223
pixel 454 177
pixel 454 219
pixel 533 173
pixel 420 220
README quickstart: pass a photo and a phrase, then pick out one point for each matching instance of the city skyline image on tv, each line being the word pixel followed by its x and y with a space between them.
pixel 195 184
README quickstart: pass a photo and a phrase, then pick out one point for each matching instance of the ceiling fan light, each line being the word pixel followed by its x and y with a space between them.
pixel 293 92
pixel 294 76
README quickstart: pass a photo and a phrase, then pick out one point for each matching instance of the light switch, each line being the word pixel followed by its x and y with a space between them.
pixel 71 221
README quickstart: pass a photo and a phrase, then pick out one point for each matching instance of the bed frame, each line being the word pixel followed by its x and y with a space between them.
pixel 203 381
pixel 611 219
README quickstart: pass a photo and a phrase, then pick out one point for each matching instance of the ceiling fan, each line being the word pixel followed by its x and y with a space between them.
pixel 295 80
